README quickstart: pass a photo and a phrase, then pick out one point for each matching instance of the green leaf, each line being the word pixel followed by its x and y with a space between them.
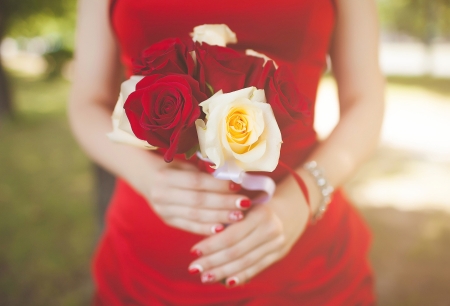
pixel 192 151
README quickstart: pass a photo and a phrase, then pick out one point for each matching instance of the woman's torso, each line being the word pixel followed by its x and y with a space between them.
pixel 294 33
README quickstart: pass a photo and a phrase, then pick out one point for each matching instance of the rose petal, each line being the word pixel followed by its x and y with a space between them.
pixel 167 56
pixel 214 34
pixel 122 132
pixel 219 76
pixel 217 100
pixel 252 52
pixel 258 96
pixel 254 155
pixel 120 136
pixel 269 161
pixel 256 121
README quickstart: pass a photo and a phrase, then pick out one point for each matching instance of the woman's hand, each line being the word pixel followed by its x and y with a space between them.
pixel 246 248
pixel 194 201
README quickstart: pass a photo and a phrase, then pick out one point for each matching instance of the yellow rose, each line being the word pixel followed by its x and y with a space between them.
pixel 241 128
pixel 214 34
pixel 122 132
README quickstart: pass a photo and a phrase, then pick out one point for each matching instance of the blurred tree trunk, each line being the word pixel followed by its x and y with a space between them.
pixel 5 93
pixel 430 34
pixel 105 183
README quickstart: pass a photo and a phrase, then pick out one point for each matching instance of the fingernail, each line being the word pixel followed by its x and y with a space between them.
pixel 236 215
pixel 234 187
pixel 217 228
pixel 208 278
pixel 243 203
pixel 196 252
pixel 194 269
pixel 233 281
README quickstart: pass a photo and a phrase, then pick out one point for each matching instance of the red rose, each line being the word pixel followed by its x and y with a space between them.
pixel 167 56
pixel 163 110
pixel 226 69
pixel 288 103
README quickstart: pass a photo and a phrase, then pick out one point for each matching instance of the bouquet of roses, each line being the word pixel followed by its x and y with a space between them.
pixel 195 95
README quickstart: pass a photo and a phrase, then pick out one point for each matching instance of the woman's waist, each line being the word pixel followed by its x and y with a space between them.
pixel 163 252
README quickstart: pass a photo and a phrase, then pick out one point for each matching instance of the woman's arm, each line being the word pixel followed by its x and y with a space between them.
pixel 269 231
pixel 95 89
pixel 181 195
pixel 354 56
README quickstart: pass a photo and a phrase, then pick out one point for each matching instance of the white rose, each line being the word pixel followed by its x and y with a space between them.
pixel 214 34
pixel 252 52
pixel 122 131
pixel 240 127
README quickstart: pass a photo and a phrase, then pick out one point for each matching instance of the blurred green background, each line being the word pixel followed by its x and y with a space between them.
pixel 48 213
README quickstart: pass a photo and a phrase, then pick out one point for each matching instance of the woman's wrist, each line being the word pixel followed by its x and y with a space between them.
pixel 142 170
pixel 289 204
pixel 313 190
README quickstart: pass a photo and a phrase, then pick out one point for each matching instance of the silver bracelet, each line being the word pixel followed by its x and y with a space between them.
pixel 325 188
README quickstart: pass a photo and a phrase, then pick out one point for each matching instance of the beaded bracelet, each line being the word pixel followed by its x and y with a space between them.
pixel 325 188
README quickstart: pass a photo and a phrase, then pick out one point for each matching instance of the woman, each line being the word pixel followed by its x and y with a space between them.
pixel 160 212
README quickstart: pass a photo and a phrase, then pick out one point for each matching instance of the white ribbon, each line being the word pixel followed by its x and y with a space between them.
pixel 231 171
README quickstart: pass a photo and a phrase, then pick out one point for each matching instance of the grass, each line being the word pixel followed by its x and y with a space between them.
pixel 410 256
pixel 47 228
pixel 437 85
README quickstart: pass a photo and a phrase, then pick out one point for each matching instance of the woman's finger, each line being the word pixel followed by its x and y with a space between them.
pixel 237 266
pixel 257 243
pixel 194 180
pixel 259 215
pixel 200 199
pixel 198 214
pixel 204 229
pixel 183 165
pixel 247 274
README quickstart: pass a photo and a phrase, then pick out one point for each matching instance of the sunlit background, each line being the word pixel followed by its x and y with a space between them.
pixel 49 220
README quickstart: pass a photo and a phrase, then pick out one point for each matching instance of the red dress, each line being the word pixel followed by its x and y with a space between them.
pixel 141 261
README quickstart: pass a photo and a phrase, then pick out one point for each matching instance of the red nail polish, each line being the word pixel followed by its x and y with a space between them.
pixel 196 252
pixel 208 278
pixel 234 187
pixel 232 281
pixel 236 215
pixel 217 229
pixel 243 203
pixel 195 269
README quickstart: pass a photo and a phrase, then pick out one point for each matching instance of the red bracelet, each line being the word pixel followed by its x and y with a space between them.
pixel 300 183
